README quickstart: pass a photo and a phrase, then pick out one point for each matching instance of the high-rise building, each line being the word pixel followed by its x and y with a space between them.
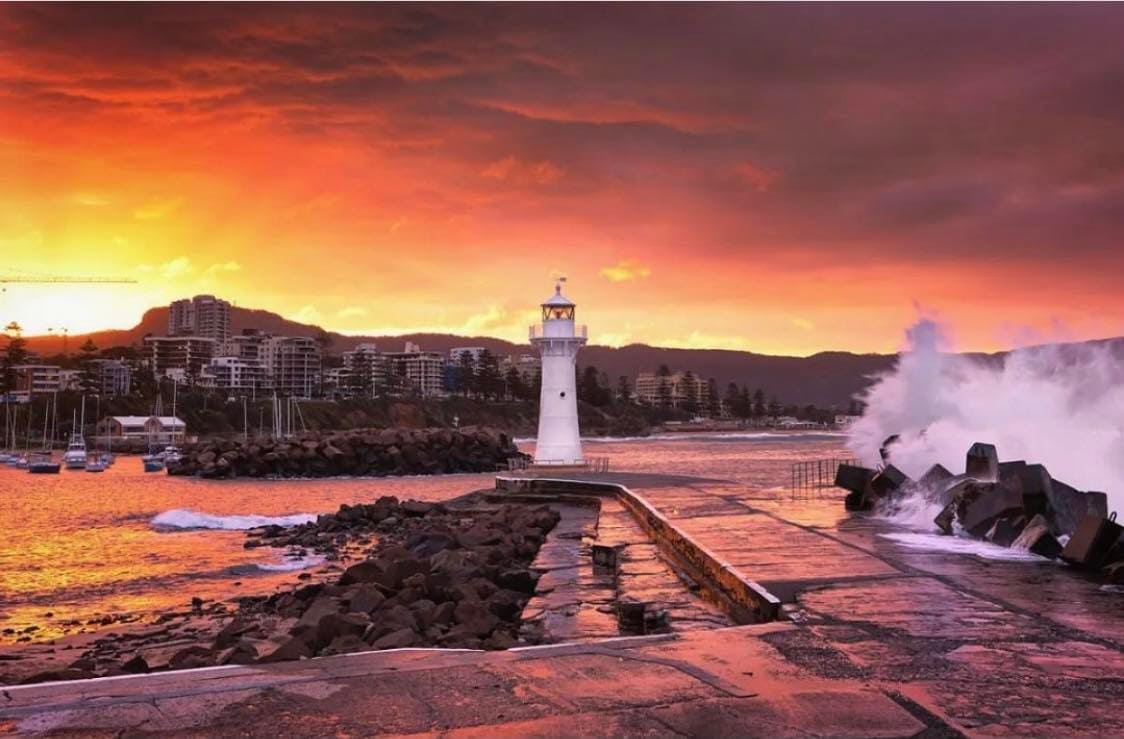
pixel 677 390
pixel 114 377
pixel 292 365
pixel 203 315
pixel 366 371
pixel 234 375
pixel 418 371
pixel 180 355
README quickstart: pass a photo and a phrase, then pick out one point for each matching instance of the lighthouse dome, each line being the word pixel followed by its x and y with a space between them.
pixel 558 306
pixel 558 298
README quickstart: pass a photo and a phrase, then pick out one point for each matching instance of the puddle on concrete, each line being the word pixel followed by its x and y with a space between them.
pixel 961 545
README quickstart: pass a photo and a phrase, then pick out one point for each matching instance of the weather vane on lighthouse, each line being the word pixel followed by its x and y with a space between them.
pixel 558 340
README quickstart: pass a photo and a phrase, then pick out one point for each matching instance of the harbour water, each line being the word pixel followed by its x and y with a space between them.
pixel 84 546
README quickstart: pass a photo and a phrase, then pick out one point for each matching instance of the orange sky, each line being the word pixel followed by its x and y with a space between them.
pixel 778 179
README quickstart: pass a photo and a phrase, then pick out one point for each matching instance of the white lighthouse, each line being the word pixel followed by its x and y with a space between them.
pixel 558 341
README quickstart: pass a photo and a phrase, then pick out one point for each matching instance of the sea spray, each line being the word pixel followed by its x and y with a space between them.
pixel 1061 406
pixel 182 518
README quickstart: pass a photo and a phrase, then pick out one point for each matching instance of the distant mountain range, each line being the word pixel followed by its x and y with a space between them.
pixel 824 379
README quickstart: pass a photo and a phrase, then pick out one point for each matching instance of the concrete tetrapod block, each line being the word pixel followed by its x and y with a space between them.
pixel 1037 539
pixel 1069 505
pixel 1092 541
pixel 998 501
pixel 856 480
pixel 853 478
pixel 1005 530
pixel 1037 487
pixel 982 462
pixel 936 476
pixel 888 481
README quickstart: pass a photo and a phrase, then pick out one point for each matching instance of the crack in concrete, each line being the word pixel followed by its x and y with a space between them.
pixel 692 671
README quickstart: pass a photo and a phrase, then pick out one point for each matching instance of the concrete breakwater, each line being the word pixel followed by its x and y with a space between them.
pixel 357 452
pixel 1010 504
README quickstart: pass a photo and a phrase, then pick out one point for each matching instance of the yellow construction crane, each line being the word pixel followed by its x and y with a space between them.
pixel 44 279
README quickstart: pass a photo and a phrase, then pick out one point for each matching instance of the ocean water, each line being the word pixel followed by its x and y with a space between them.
pixel 81 545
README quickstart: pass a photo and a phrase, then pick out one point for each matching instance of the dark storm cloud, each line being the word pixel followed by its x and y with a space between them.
pixel 929 128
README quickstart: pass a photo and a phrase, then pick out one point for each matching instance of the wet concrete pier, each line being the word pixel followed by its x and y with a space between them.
pixel 868 637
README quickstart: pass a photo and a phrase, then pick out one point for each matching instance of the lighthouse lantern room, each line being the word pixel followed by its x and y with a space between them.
pixel 558 340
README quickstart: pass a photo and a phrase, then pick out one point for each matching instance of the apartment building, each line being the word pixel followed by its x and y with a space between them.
pixel 187 354
pixel 292 365
pixel 43 379
pixel 234 375
pixel 420 372
pixel 681 389
pixel 114 377
pixel 366 371
pixel 202 315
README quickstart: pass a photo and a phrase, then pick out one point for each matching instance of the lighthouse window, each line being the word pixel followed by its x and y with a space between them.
pixel 562 394
pixel 558 313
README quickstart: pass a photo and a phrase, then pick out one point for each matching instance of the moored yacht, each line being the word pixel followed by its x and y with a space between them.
pixel 75 456
pixel 40 463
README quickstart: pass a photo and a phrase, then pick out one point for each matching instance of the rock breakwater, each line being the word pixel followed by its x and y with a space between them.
pixel 375 452
pixel 438 575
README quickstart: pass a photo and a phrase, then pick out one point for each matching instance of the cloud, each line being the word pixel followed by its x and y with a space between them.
pixel 760 178
pixel 510 169
pixel 495 317
pixel 173 268
pixel 89 200
pixel 803 323
pixel 351 311
pixel 308 314
pixel 155 209
pixel 218 267
pixel 625 270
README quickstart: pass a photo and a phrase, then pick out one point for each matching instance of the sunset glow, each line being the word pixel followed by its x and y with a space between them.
pixel 780 179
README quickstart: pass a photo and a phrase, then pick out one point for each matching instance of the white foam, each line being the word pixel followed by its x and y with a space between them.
pixel 961 545
pixel 1058 406
pixel 296 563
pixel 704 436
pixel 185 518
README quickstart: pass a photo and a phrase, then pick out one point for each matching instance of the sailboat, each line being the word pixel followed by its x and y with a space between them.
pixel 10 456
pixel 98 462
pixel 153 461
pixel 40 463
pixel 20 460
pixel 171 453
pixel 75 456
pixel 5 453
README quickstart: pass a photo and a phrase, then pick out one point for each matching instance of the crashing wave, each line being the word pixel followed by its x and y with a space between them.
pixel 185 518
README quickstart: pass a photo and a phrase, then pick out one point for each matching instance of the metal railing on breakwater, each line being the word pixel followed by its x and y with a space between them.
pixel 813 477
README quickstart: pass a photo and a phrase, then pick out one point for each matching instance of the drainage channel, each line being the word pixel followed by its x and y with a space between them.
pixel 604 577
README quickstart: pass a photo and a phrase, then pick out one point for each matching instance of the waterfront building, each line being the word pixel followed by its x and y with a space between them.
pixel 38 379
pixel 292 365
pixel 187 354
pixel 419 372
pixel 677 390
pixel 845 421
pixel 234 375
pixel 152 429
pixel 114 377
pixel 246 345
pixel 202 315
pixel 338 383
pixel 366 370
pixel 558 340
pixel 528 366
pixel 457 354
